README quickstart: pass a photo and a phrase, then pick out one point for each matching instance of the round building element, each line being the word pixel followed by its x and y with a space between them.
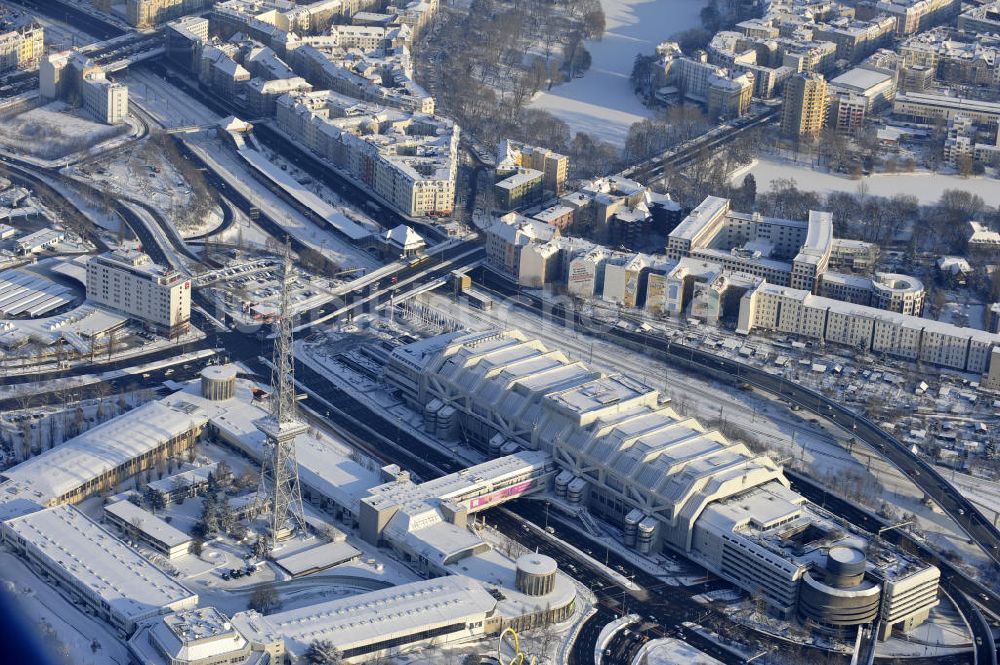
pixel 536 574
pixel 832 608
pixel 218 382
pixel 903 294
pixel 845 563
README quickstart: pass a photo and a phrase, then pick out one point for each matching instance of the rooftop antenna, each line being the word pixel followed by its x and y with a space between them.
pixel 279 498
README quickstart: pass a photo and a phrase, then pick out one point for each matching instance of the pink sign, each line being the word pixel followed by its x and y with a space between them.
pixel 501 495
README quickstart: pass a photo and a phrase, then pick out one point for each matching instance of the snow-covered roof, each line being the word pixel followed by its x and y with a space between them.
pixel 149 524
pixel 83 551
pixel 670 651
pixel 62 470
pixel 861 79
pixel 367 618
pixel 189 636
pixel 404 237
pixel 319 557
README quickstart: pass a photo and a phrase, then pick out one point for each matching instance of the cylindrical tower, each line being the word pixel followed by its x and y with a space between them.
pixel 536 574
pixel 218 382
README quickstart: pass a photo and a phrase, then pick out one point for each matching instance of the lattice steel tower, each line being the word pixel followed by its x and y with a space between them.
pixel 279 497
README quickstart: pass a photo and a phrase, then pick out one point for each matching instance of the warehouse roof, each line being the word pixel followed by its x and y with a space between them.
pixel 372 617
pixel 69 541
pixel 67 467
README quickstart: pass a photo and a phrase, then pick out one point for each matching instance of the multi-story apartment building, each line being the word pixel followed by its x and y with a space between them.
pixel 983 18
pixel 803 114
pixel 409 160
pixel 724 94
pixel 879 331
pixel 955 57
pixel 129 281
pixel 21 41
pixel 856 40
pixel 507 238
pixel 522 188
pixel 148 13
pixel 554 167
pixel 911 16
pixel 782 251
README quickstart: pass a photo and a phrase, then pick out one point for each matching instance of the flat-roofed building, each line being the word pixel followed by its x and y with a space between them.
pixel 94 568
pixel 984 18
pixel 629 458
pixel 140 524
pixel 794 311
pixel 183 40
pixel 520 189
pixel 101 457
pixel 378 623
pixel 202 636
pixel 39 241
pixel 409 160
pixel 929 108
pixel 129 281
pixel 876 86
pixel 105 100
pixel 782 251
pixel 554 167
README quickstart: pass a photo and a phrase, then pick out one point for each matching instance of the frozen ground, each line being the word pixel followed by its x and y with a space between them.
pixel 74 634
pixel 602 102
pixel 926 186
pixel 51 132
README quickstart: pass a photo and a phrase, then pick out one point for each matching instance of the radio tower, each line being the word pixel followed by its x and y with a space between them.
pixel 279 497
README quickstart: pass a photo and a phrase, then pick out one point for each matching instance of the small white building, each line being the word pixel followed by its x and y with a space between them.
pixel 403 242
pixel 39 241
pixel 140 524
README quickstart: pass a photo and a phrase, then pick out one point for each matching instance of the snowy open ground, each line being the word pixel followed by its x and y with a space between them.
pixel 602 102
pixel 926 186
pixel 52 131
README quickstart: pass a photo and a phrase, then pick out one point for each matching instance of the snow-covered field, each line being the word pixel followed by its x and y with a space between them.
pixel 602 103
pixel 926 186
pixel 50 132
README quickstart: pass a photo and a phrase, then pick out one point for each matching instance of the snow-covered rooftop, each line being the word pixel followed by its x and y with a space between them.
pixel 149 524
pixel 62 470
pixel 372 617
pixel 69 541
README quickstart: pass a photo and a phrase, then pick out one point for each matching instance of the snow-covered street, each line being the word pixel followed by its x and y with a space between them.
pixel 602 102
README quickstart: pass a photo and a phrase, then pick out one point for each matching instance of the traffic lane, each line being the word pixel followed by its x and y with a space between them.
pixel 669 606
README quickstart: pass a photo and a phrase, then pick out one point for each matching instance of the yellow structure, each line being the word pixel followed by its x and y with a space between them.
pixel 519 656
pixel 804 112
